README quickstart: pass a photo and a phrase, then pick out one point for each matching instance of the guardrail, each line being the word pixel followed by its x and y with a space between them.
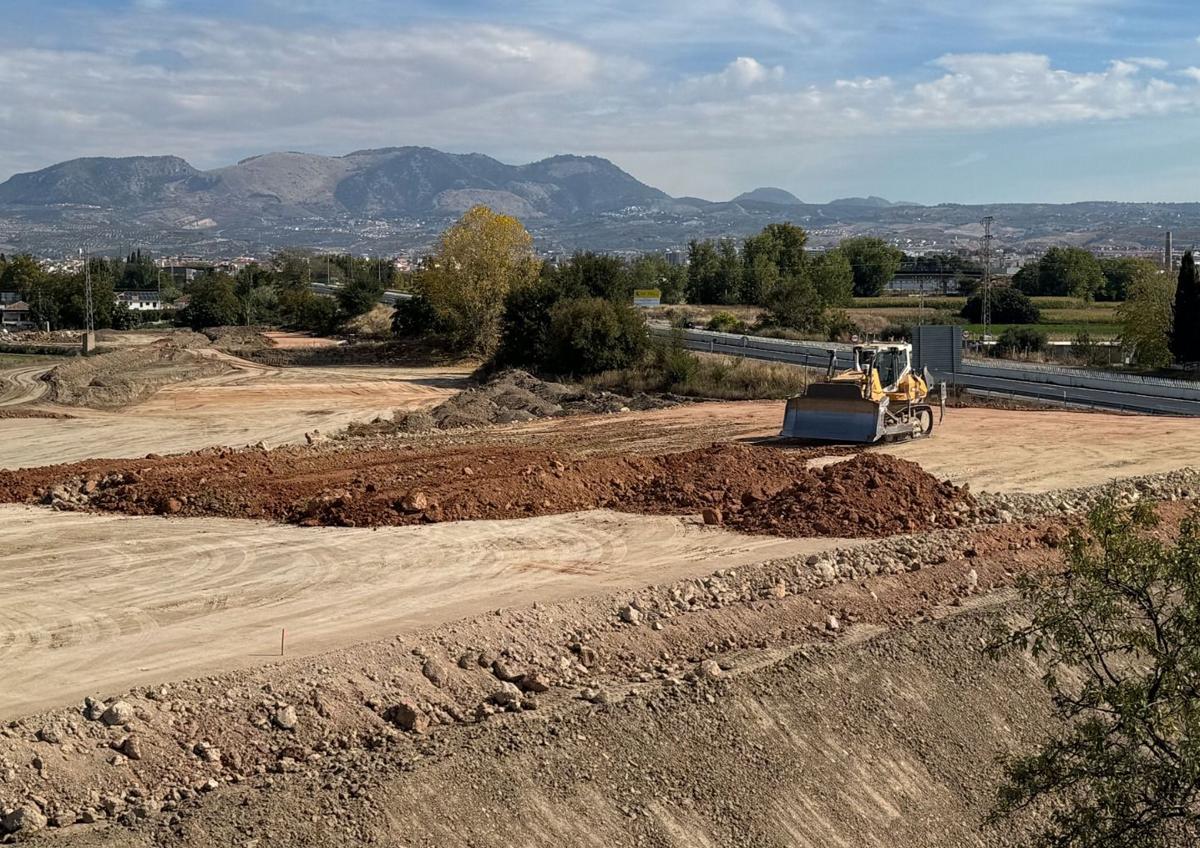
pixel 1097 390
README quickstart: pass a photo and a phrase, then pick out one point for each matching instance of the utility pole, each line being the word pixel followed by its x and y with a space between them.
pixel 89 333
pixel 987 277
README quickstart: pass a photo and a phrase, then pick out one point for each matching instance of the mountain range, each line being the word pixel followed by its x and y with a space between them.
pixel 400 198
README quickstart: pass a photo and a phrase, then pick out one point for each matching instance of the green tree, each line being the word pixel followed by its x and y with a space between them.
pixel 212 302
pixel 833 277
pixel 525 337
pixel 1062 272
pixel 1185 323
pixel 777 251
pixel 1119 275
pixel 360 294
pixel 595 275
pixel 795 303
pixel 1145 317
pixel 590 334
pixel 874 262
pixel 714 272
pixel 1118 634
pixel 653 271
pixel 1009 306
pixel 478 261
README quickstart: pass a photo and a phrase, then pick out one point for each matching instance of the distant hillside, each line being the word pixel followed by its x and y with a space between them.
pixel 392 182
pixel 398 199
pixel 778 196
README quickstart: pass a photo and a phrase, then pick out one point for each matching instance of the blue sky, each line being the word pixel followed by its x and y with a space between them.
pixel 941 100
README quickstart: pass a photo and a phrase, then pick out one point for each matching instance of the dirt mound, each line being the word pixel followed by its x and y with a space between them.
pixel 185 339
pixel 237 340
pixel 512 396
pixel 125 377
pixel 760 489
pixel 867 495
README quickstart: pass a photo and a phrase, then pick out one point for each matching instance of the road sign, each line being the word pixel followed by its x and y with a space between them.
pixel 647 298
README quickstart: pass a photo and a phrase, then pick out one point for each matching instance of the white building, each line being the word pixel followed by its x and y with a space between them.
pixel 143 301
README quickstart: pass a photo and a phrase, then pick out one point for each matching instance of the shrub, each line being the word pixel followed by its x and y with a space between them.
pixel 896 333
pixel 589 335
pixel 674 362
pixel 1022 340
pixel 1009 306
pixel 726 322
pixel 414 317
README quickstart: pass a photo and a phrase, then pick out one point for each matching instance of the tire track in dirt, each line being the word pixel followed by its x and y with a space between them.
pixel 118 601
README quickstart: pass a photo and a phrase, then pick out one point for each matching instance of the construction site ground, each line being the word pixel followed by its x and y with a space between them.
pixel 846 700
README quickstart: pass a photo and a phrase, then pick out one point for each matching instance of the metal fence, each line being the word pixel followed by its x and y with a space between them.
pixel 1095 389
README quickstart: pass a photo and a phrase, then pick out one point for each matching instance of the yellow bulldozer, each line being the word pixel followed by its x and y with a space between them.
pixel 878 397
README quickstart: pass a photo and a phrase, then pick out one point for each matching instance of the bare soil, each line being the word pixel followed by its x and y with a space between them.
pixel 760 489
pixel 126 377
pixel 245 405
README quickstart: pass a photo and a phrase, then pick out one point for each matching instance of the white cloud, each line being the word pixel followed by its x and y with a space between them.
pixel 742 73
pixel 211 90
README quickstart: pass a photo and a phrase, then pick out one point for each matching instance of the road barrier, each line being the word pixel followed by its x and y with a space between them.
pixel 1073 387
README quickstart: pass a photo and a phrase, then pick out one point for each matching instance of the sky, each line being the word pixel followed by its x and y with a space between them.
pixel 918 100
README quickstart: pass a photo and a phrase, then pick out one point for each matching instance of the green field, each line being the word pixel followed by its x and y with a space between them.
pixel 1063 318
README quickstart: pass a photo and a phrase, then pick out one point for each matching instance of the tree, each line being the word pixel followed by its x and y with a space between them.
pixel 795 303
pixel 1118 634
pixel 360 295
pixel 1009 306
pixel 595 275
pixel 653 271
pixel 525 337
pixel 213 302
pixel 777 251
pixel 1119 275
pixel 1145 317
pixel 1062 272
pixel 874 263
pixel 833 277
pixel 714 272
pixel 478 262
pixel 1185 323
pixel 589 335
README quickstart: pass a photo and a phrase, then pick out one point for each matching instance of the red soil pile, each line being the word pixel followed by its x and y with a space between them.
pixel 758 489
pixel 871 494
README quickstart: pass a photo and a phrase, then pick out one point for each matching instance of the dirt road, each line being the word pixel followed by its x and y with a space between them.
pixel 991 449
pixel 23 384
pixel 250 404
pixel 118 601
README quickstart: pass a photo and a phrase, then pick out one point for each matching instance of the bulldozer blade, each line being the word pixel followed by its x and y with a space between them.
pixel 834 412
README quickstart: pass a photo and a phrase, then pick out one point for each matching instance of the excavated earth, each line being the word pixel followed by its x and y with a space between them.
pixel 754 489
pixel 841 701
pixel 510 397
pixel 120 378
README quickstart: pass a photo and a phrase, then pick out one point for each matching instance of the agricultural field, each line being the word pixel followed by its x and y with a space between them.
pixel 1063 319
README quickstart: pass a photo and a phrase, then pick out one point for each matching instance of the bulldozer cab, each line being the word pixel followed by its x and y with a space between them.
pixel 890 363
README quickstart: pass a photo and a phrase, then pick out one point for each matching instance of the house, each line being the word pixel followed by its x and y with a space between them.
pixel 143 301
pixel 16 316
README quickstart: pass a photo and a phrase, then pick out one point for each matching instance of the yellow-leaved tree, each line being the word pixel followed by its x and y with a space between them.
pixel 478 261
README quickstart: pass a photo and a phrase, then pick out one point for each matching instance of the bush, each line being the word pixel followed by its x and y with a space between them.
pixel 414 318
pixel 674 362
pixel 726 322
pixel 1009 306
pixel 318 315
pixel 896 333
pixel 589 335
pixel 1022 340
pixel 525 325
